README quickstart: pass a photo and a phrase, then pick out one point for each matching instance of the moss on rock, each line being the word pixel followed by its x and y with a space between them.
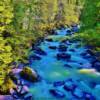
pixel 28 74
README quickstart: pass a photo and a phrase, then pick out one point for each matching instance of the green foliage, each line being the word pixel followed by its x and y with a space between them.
pixel 6 54
pixel 69 11
pixel 90 19
pixel 90 36
pixel 5 59
pixel 91 13
pixel 6 14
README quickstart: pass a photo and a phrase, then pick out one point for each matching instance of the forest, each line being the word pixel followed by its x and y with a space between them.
pixel 49 44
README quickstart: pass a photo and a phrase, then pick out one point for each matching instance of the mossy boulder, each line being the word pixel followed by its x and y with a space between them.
pixel 29 74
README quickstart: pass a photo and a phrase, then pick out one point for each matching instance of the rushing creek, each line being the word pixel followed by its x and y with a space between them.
pixel 59 70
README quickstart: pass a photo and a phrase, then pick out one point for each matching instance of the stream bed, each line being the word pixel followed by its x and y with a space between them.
pixel 65 69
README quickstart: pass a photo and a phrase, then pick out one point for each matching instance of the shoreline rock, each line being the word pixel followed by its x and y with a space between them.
pixel 29 74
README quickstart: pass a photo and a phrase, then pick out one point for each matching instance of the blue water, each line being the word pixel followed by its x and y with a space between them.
pixel 52 70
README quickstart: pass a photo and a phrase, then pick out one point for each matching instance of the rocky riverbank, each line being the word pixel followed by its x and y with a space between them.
pixel 58 68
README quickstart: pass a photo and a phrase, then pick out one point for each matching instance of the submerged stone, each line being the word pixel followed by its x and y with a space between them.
pixel 72 50
pixel 63 56
pixel 53 47
pixel 57 93
pixel 69 86
pixel 96 65
pixel 39 51
pixel 90 52
pixel 62 48
pixel 67 66
pixel 59 83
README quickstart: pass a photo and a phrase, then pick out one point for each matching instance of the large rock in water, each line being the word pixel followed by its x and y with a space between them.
pixel 62 48
pixel 39 51
pixel 63 56
pixel 29 74
pixel 53 47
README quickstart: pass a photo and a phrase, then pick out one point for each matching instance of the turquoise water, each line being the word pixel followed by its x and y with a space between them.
pixel 52 70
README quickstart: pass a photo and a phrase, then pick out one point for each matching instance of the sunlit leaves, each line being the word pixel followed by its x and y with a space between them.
pixel 5 59
pixel 6 14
